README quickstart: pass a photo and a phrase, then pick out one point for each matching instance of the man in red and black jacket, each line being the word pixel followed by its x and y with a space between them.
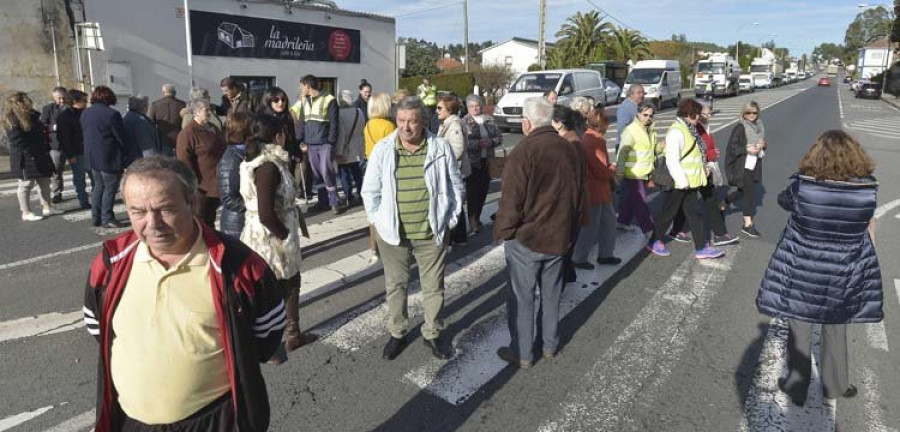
pixel 184 315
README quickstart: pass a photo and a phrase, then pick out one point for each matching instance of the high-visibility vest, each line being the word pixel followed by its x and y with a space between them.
pixel 691 163
pixel 428 94
pixel 315 109
pixel 641 156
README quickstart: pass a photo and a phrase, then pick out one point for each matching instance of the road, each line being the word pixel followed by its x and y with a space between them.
pixel 656 344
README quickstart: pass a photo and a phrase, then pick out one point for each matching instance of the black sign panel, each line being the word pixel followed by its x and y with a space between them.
pixel 215 34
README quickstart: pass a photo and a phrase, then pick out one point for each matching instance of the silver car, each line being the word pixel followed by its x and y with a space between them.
pixel 612 92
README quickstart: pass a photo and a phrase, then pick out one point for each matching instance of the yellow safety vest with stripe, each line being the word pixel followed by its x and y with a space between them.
pixel 317 110
pixel 428 94
pixel 639 160
pixel 691 163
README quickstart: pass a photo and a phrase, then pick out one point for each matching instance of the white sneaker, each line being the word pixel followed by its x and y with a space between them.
pixel 31 217
pixel 373 259
pixel 52 212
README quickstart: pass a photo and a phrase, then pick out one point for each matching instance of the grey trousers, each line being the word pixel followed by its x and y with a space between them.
pixel 59 161
pixel 529 272
pixel 397 260
pixel 833 368
pixel 600 232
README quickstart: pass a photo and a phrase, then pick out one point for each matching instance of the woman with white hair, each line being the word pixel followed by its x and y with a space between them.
pixel 583 106
pixel 200 93
pixel 351 146
pixel 482 136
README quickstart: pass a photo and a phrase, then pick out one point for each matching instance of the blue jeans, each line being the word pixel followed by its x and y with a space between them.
pixel 321 162
pixel 78 179
pixel 106 184
pixel 351 174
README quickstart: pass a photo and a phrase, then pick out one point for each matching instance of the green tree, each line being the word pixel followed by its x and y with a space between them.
pixel 421 57
pixel 895 28
pixel 582 38
pixel 491 79
pixel 868 25
pixel 624 44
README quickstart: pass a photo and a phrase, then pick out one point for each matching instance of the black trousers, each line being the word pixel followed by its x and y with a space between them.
pixel 833 366
pixel 208 207
pixel 747 191
pixel 477 185
pixel 460 232
pixel 716 218
pixel 218 416
pixel 683 201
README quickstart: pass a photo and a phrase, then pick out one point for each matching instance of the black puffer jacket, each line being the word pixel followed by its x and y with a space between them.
pixel 29 156
pixel 228 171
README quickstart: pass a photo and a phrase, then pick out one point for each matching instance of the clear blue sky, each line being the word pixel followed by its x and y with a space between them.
pixel 799 25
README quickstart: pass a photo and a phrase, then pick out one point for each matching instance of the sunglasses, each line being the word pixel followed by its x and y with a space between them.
pixel 752 113
pixel 276 100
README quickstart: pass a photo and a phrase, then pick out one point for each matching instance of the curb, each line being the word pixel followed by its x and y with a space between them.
pixel 894 104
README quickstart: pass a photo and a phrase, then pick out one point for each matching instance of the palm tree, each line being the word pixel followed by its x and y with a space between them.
pixel 582 36
pixel 625 44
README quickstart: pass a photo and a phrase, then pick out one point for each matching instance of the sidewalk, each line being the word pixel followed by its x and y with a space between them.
pixel 4 167
pixel 893 102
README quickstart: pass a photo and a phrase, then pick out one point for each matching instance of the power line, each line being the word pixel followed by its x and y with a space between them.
pixel 428 10
pixel 622 23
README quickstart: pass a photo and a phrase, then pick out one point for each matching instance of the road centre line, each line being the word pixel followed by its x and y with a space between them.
pixel 840 104
pixel 13 421
pixel 644 354
pixel 877 336
pixel 476 361
pixel 76 424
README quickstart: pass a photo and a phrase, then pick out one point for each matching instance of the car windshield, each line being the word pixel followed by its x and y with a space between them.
pixel 715 68
pixel 745 80
pixel 760 68
pixel 535 83
pixel 644 76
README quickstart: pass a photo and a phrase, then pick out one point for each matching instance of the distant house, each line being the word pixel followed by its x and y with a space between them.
pixel 517 53
pixel 874 58
pixel 235 37
pixel 449 64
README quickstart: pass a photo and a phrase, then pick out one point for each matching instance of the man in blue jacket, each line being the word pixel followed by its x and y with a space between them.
pixel 317 127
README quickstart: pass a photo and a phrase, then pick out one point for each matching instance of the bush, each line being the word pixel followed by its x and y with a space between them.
pixel 460 83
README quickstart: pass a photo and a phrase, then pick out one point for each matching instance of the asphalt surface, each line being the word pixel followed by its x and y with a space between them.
pixel 663 344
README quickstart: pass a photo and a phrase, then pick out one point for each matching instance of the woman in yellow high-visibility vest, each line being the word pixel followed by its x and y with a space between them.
pixel 634 164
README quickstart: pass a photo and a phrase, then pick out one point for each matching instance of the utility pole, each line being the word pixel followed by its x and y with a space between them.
pixel 466 30
pixel 542 40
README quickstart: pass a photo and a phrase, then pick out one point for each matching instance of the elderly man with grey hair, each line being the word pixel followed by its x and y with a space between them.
pixel 165 114
pixel 194 313
pixel 540 210
pixel 138 133
pixel 413 195
pixel 200 146
pixel 628 109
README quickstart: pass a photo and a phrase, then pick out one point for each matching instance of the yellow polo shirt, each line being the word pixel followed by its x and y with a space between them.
pixel 168 360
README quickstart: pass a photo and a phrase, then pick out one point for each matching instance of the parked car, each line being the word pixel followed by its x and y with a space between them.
pixel 745 84
pixel 824 82
pixel 856 85
pixel 870 90
pixel 567 83
pixel 612 92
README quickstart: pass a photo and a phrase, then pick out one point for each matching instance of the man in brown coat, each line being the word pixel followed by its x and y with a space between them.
pixel 165 113
pixel 200 147
pixel 538 220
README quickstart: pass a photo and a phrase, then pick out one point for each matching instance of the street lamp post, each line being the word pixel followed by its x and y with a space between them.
pixel 737 49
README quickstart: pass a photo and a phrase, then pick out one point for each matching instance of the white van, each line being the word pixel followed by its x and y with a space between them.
pixel 661 80
pixel 568 83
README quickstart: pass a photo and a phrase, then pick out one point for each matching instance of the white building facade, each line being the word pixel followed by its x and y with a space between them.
pixel 517 53
pixel 874 59
pixel 262 43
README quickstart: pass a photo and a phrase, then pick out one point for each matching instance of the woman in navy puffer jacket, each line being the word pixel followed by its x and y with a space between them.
pixel 824 270
pixel 237 127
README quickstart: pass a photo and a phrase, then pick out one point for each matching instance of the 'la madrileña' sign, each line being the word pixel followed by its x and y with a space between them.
pixel 215 34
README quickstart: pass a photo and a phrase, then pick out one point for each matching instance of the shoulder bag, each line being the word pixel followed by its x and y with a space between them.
pixel 661 175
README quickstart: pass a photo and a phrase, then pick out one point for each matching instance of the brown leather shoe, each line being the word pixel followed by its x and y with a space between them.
pixel 294 341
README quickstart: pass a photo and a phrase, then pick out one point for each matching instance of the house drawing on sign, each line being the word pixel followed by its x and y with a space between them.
pixel 235 37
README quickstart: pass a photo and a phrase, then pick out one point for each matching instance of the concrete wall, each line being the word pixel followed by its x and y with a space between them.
pixel 518 55
pixel 149 37
pixel 27 50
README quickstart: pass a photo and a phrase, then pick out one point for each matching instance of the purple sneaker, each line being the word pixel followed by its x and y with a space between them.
pixel 658 248
pixel 709 253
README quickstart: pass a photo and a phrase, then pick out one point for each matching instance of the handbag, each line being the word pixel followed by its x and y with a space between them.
pixel 496 163
pixel 661 175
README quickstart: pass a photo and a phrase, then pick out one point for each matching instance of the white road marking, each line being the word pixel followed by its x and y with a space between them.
pixel 840 104
pixel 476 361
pixel 41 324
pixel 767 409
pixel 884 208
pixel 324 279
pixel 644 354
pixel 86 214
pixel 897 288
pixel 76 424
pixel 877 336
pixel 13 421
pixel 873 403
pixel 48 256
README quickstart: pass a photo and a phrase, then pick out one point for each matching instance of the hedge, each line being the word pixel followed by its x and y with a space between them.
pixel 461 83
